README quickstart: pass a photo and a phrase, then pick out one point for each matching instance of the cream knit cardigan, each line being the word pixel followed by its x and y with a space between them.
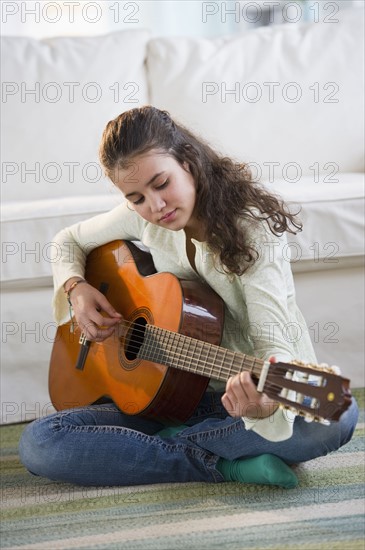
pixel 261 314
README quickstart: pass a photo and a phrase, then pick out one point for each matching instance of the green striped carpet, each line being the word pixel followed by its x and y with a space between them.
pixel 326 511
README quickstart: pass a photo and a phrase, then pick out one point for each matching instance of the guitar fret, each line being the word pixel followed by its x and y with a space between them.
pixel 180 353
pixel 187 357
pixel 192 355
pixel 222 362
pixel 232 362
pixel 207 365
pixel 214 359
pixel 236 364
pixel 199 358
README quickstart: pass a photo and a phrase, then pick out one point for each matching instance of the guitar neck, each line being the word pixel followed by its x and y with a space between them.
pixel 189 354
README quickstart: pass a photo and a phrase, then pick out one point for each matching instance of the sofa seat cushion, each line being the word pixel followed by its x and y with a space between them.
pixel 28 229
pixel 333 217
pixel 332 214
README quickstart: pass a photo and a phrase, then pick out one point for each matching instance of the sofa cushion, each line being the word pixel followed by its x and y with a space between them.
pixel 333 217
pixel 283 94
pixel 58 95
pixel 332 214
pixel 28 229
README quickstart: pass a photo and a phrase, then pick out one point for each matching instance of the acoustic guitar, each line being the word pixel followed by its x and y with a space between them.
pixel 159 362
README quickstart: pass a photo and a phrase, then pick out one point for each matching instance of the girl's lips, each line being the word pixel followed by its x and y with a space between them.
pixel 168 217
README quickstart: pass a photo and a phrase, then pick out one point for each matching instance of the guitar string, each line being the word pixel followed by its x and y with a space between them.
pixel 275 389
pixel 270 388
pixel 215 360
pixel 191 364
pixel 136 344
pixel 223 370
pixel 129 324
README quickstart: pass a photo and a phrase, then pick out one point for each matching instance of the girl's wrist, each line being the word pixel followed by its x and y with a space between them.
pixel 70 281
pixel 70 285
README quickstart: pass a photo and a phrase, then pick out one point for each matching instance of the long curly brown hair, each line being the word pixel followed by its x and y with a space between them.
pixel 226 192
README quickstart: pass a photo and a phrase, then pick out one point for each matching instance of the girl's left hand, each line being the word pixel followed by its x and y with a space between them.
pixel 243 399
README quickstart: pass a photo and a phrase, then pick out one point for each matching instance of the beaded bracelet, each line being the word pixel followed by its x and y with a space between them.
pixel 68 292
pixel 74 284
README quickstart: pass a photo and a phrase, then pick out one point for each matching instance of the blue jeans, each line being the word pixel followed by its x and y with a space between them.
pixel 98 445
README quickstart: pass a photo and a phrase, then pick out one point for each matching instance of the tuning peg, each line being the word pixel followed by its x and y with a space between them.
pixel 335 369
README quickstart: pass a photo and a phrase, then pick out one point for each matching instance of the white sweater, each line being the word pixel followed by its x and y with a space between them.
pixel 261 315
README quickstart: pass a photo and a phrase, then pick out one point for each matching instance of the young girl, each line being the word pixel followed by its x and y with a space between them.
pixel 202 218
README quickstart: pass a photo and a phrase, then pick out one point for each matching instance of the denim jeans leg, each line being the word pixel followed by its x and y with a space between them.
pixel 228 438
pixel 98 445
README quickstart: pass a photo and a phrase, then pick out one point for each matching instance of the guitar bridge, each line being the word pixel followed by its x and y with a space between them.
pixel 84 350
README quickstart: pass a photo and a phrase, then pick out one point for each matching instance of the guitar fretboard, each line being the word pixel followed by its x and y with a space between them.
pixel 189 354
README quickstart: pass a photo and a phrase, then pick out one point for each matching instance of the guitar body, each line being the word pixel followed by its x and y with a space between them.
pixel 112 371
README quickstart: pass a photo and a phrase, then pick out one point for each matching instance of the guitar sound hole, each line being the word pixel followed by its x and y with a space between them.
pixel 135 338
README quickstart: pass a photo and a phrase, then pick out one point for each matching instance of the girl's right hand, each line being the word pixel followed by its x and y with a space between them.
pixel 95 316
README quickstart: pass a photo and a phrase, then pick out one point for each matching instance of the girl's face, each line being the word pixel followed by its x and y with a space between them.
pixel 159 190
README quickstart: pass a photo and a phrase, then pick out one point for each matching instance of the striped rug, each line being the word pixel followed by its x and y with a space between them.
pixel 325 512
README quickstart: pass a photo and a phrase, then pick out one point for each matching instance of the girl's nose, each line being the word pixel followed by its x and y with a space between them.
pixel 157 204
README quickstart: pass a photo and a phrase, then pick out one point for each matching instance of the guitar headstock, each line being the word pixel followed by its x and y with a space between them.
pixel 313 391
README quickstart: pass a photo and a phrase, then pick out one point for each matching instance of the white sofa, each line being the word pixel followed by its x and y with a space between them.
pixel 287 99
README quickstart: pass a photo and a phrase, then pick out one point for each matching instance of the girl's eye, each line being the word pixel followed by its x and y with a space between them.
pixel 139 201
pixel 164 184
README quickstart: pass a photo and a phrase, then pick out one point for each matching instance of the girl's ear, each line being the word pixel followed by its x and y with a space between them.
pixel 186 166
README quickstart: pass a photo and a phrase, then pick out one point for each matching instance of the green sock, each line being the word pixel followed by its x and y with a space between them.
pixel 170 431
pixel 265 469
